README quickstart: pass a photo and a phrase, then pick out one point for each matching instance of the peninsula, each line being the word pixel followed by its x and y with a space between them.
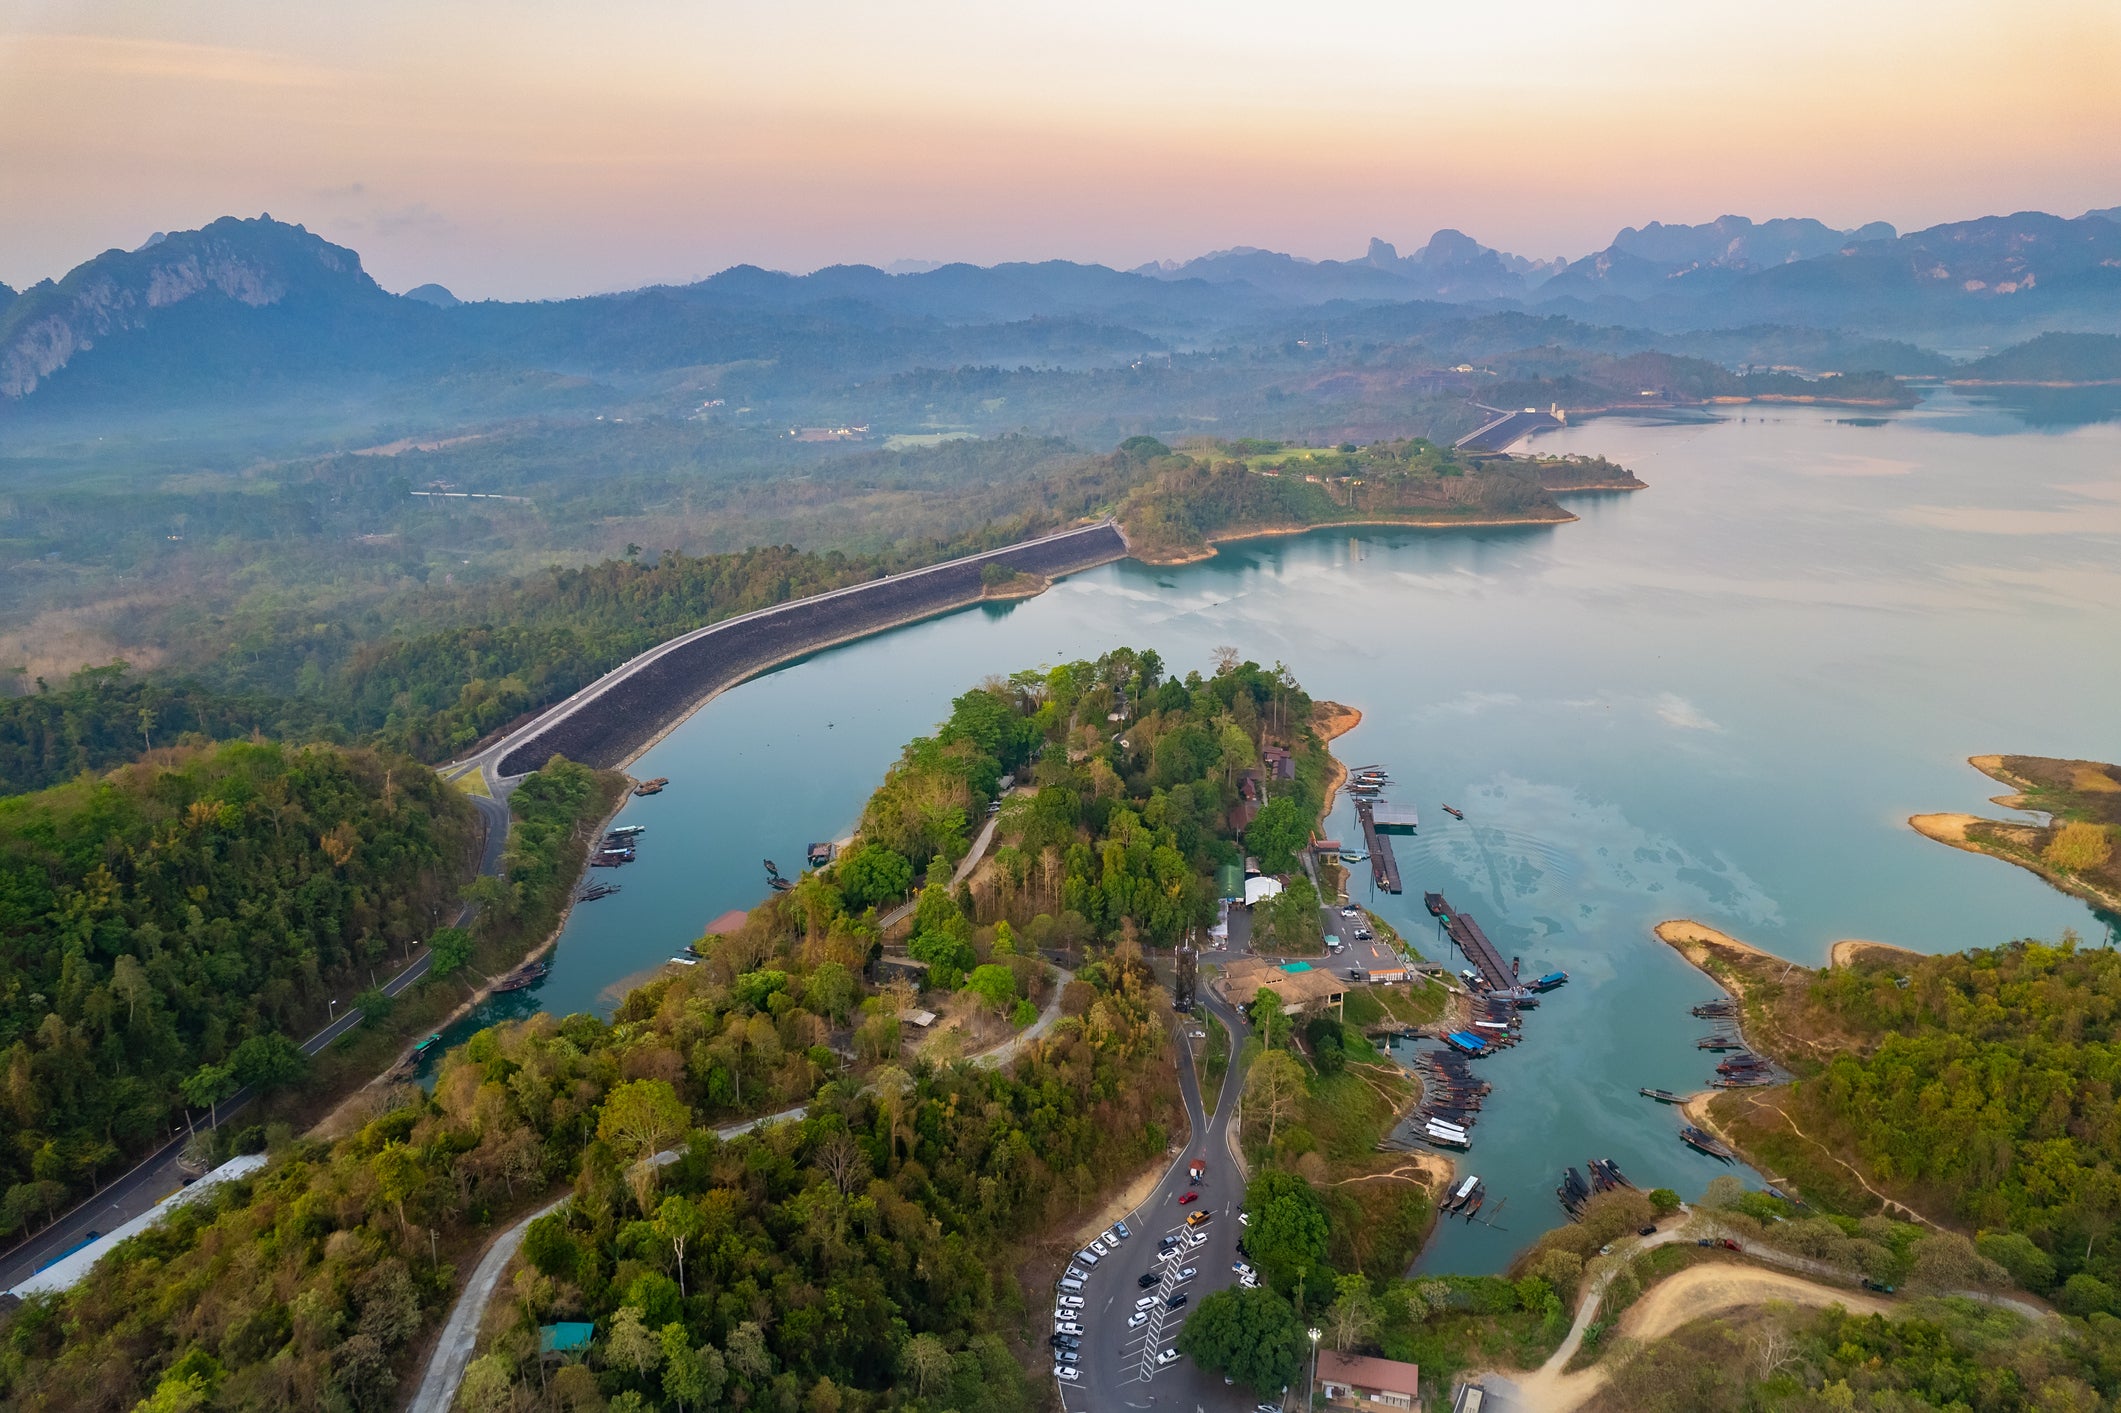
pixel 1225 491
pixel 2074 850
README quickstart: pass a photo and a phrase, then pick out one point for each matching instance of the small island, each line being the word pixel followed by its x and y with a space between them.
pixel 1244 489
pixel 2074 850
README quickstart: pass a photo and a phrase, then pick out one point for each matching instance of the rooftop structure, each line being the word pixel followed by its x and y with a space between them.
pixel 1358 1381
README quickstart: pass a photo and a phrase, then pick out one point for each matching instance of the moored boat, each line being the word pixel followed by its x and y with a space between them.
pixel 652 787
pixel 1703 1142
pixel 1662 1096
pixel 1454 811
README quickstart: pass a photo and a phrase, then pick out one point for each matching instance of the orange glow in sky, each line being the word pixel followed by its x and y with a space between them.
pixel 523 150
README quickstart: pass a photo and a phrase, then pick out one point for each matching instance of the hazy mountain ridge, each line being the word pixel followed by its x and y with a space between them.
pixel 255 264
pixel 243 306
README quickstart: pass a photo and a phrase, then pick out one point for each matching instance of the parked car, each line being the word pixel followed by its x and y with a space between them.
pixel 1189 1273
pixel 1199 1034
pixel 1880 1286
pixel 1244 1219
pixel 1136 1320
pixel 1650 1230
pixel 1249 1282
pixel 1077 1273
pixel 1727 1244
pixel 1241 1268
pixel 1199 1216
pixel 1169 1241
pixel 1087 1256
pixel 1188 1196
pixel 1175 1301
pixel 1121 1228
pixel 1109 1239
pixel 1148 1278
pixel 1076 1300
pixel 1169 1356
pixel 1100 1248
pixel 1069 1356
pixel 1062 1371
pixel 1067 1327
pixel 1147 1302
pixel 1067 1341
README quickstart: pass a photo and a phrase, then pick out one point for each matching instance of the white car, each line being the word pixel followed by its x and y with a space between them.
pixel 1109 1238
pixel 1249 1282
pixel 1075 1300
pixel 1088 1258
pixel 1244 1218
pixel 1189 1273
pixel 1147 1302
pixel 1099 1248
pixel 1196 1239
pixel 1238 1266
pixel 1067 1372
pixel 1351 911
pixel 1077 1273
pixel 1069 1356
pixel 1169 1356
pixel 1061 1315
pixel 1136 1320
pixel 1067 1327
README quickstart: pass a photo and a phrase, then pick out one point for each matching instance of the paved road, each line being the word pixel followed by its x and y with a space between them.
pixel 1118 1368
pixel 158 1175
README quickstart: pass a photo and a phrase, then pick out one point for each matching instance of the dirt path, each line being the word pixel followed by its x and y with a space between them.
pixel 1692 1294
pixel 1891 1204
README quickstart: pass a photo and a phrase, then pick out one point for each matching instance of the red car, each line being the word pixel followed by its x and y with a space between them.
pixel 1187 1196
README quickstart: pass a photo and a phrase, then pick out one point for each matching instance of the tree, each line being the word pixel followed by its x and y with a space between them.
pixel 678 1222
pixel 691 1377
pixel 208 1085
pixel 1251 1335
pixel 1273 1089
pixel 995 984
pixel 1277 834
pixel 871 874
pixel 2032 1268
pixel 1290 922
pixel 269 1061
pixel 399 1176
pixel 489 1385
pixel 1352 1317
pixel 448 952
pixel 747 1353
pixel 926 1362
pixel 1289 1230
pixel 832 992
pixel 630 1346
pixel 643 1117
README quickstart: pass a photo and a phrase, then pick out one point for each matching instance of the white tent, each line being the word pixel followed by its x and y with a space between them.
pixel 1259 889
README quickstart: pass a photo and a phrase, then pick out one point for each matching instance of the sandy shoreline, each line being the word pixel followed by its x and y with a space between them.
pixel 1851 950
pixel 1332 720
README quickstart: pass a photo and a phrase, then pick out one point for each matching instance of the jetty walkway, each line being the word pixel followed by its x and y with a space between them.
pixel 1384 866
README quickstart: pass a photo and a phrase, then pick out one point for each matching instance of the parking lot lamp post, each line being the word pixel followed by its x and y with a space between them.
pixel 1311 1394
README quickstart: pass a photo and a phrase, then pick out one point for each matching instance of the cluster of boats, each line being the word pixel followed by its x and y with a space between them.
pixel 774 880
pixel 1367 782
pixel 618 847
pixel 1702 1141
pixel 1451 1096
pixel 1464 1200
pixel 1575 1190
pixel 523 976
pixel 1744 1070
pixel 652 787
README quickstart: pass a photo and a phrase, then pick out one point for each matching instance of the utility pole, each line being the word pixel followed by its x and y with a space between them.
pixel 1311 1394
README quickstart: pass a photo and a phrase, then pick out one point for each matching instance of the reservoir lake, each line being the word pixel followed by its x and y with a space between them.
pixel 1717 698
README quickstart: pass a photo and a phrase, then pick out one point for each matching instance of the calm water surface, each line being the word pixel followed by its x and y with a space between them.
pixel 1719 698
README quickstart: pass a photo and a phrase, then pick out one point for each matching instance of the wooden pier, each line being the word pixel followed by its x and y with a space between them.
pixel 1384 868
pixel 1478 949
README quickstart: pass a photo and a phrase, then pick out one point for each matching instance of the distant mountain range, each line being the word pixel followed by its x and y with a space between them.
pixel 244 306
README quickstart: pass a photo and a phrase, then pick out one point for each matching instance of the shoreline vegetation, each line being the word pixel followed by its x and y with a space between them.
pixel 1967 1092
pixel 2078 849
pixel 1215 493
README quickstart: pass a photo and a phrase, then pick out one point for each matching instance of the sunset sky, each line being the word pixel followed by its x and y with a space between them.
pixel 541 148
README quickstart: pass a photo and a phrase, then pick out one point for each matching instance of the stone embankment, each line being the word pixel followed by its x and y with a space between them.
pixel 614 718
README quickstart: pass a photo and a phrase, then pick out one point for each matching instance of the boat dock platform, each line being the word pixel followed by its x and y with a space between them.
pixel 1478 949
pixel 1384 868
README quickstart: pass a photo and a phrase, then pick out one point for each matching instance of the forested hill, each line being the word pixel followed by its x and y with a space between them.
pixel 168 931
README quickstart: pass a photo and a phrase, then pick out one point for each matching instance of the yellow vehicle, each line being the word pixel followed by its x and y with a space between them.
pixel 1197 1218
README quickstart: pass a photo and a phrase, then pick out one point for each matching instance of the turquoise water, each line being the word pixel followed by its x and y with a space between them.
pixel 1718 698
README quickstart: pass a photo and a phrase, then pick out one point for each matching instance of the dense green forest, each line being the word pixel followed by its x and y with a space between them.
pixel 173 927
pixel 864 1258
pixel 1990 1080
